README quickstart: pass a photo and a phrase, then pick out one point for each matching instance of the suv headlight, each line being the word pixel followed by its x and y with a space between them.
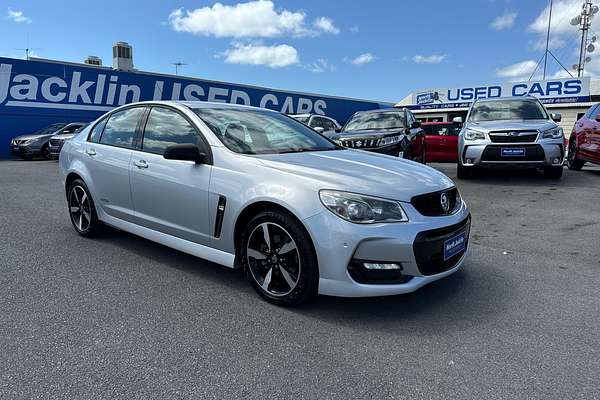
pixel 386 141
pixel 362 209
pixel 471 134
pixel 554 133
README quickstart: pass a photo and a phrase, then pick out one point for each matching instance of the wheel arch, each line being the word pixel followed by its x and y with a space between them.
pixel 71 176
pixel 255 208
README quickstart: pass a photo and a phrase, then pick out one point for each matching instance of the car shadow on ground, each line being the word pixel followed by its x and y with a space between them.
pixel 451 303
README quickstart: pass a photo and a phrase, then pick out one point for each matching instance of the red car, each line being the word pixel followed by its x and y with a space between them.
pixel 441 141
pixel 584 143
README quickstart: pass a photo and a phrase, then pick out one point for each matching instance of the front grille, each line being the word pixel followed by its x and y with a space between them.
pixel 55 142
pixel 429 248
pixel 431 204
pixel 513 136
pixel 361 143
pixel 533 152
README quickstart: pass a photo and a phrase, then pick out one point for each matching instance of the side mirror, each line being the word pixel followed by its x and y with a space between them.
pixel 184 152
pixel 457 120
pixel 319 129
pixel 556 117
pixel 415 125
pixel 338 130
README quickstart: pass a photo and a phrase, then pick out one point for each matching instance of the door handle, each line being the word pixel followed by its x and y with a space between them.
pixel 91 152
pixel 141 164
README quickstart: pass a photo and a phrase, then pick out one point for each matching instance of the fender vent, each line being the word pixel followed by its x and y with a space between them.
pixel 220 215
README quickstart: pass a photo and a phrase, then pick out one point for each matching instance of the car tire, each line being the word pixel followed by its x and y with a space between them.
pixel 284 271
pixel 46 152
pixel 573 163
pixel 553 172
pixel 82 210
pixel 463 172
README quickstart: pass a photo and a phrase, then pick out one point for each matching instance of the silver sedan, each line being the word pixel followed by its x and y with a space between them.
pixel 255 189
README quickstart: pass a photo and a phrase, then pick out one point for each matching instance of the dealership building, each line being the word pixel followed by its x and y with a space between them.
pixel 36 93
pixel 569 97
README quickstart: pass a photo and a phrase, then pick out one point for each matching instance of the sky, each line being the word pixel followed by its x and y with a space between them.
pixel 376 50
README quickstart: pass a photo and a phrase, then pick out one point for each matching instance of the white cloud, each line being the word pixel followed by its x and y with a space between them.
pixel 326 25
pixel 554 43
pixel 517 71
pixel 18 16
pixel 562 12
pixel 504 21
pixel 431 59
pixel 321 65
pixel 277 56
pixel 363 59
pixel 255 19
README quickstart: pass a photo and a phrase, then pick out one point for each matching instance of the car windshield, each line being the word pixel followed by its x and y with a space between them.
pixel 250 131
pixel 50 129
pixel 376 120
pixel 507 110
pixel 441 130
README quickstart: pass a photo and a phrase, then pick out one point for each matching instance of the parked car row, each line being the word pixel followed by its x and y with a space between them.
pixel 46 142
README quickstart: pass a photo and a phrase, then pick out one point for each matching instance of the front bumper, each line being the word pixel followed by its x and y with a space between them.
pixel 543 153
pixel 339 244
pixel 24 151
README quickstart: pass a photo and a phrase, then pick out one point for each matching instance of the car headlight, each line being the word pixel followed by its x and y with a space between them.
pixel 470 134
pixel 362 209
pixel 386 141
pixel 554 133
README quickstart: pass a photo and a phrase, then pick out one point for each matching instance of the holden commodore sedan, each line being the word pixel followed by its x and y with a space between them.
pixel 252 188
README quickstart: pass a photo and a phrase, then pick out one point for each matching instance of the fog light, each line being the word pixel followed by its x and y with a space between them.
pixel 469 161
pixel 556 161
pixel 382 266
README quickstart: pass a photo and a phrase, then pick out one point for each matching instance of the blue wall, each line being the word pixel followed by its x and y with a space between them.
pixel 35 94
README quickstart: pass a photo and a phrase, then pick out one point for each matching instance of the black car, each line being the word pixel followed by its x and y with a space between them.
pixel 394 132
pixel 57 141
pixel 35 144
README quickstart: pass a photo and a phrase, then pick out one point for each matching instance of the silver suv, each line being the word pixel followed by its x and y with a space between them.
pixel 510 132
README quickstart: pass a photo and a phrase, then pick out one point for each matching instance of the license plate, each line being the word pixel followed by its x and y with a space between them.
pixel 513 152
pixel 455 245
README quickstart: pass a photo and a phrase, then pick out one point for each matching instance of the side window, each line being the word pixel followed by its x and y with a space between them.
pixel 69 129
pixel 120 128
pixel 410 118
pixel 316 122
pixel 328 124
pixel 94 135
pixel 167 127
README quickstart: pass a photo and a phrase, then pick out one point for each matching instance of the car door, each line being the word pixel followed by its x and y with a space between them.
pixel 590 146
pixel 586 127
pixel 107 155
pixel 416 136
pixel 432 143
pixel 448 147
pixel 170 196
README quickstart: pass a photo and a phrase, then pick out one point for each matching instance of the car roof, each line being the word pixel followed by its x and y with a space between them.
pixel 206 104
pixel 381 110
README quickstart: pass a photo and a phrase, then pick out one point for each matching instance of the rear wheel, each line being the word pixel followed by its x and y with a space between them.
pixel 463 172
pixel 82 210
pixel 279 260
pixel 573 163
pixel 553 172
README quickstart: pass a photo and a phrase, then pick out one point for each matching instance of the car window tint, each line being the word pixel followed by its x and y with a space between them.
pixel 97 131
pixel 316 122
pixel 328 124
pixel 167 128
pixel 120 128
pixel 69 129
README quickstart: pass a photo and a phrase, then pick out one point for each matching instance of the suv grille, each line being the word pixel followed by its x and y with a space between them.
pixel 360 143
pixel 429 248
pixel 533 152
pixel 513 136
pixel 430 204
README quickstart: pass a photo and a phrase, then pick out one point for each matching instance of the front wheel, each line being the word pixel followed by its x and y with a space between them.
pixel 573 163
pixel 46 152
pixel 82 210
pixel 279 260
pixel 463 172
pixel 553 172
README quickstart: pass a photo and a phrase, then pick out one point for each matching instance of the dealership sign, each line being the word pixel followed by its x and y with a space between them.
pixel 36 93
pixel 551 91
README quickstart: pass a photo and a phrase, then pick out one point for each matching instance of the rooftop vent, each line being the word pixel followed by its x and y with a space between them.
pixel 93 60
pixel 122 56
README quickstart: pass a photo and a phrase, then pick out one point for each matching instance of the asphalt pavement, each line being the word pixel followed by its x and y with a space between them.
pixel 123 318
